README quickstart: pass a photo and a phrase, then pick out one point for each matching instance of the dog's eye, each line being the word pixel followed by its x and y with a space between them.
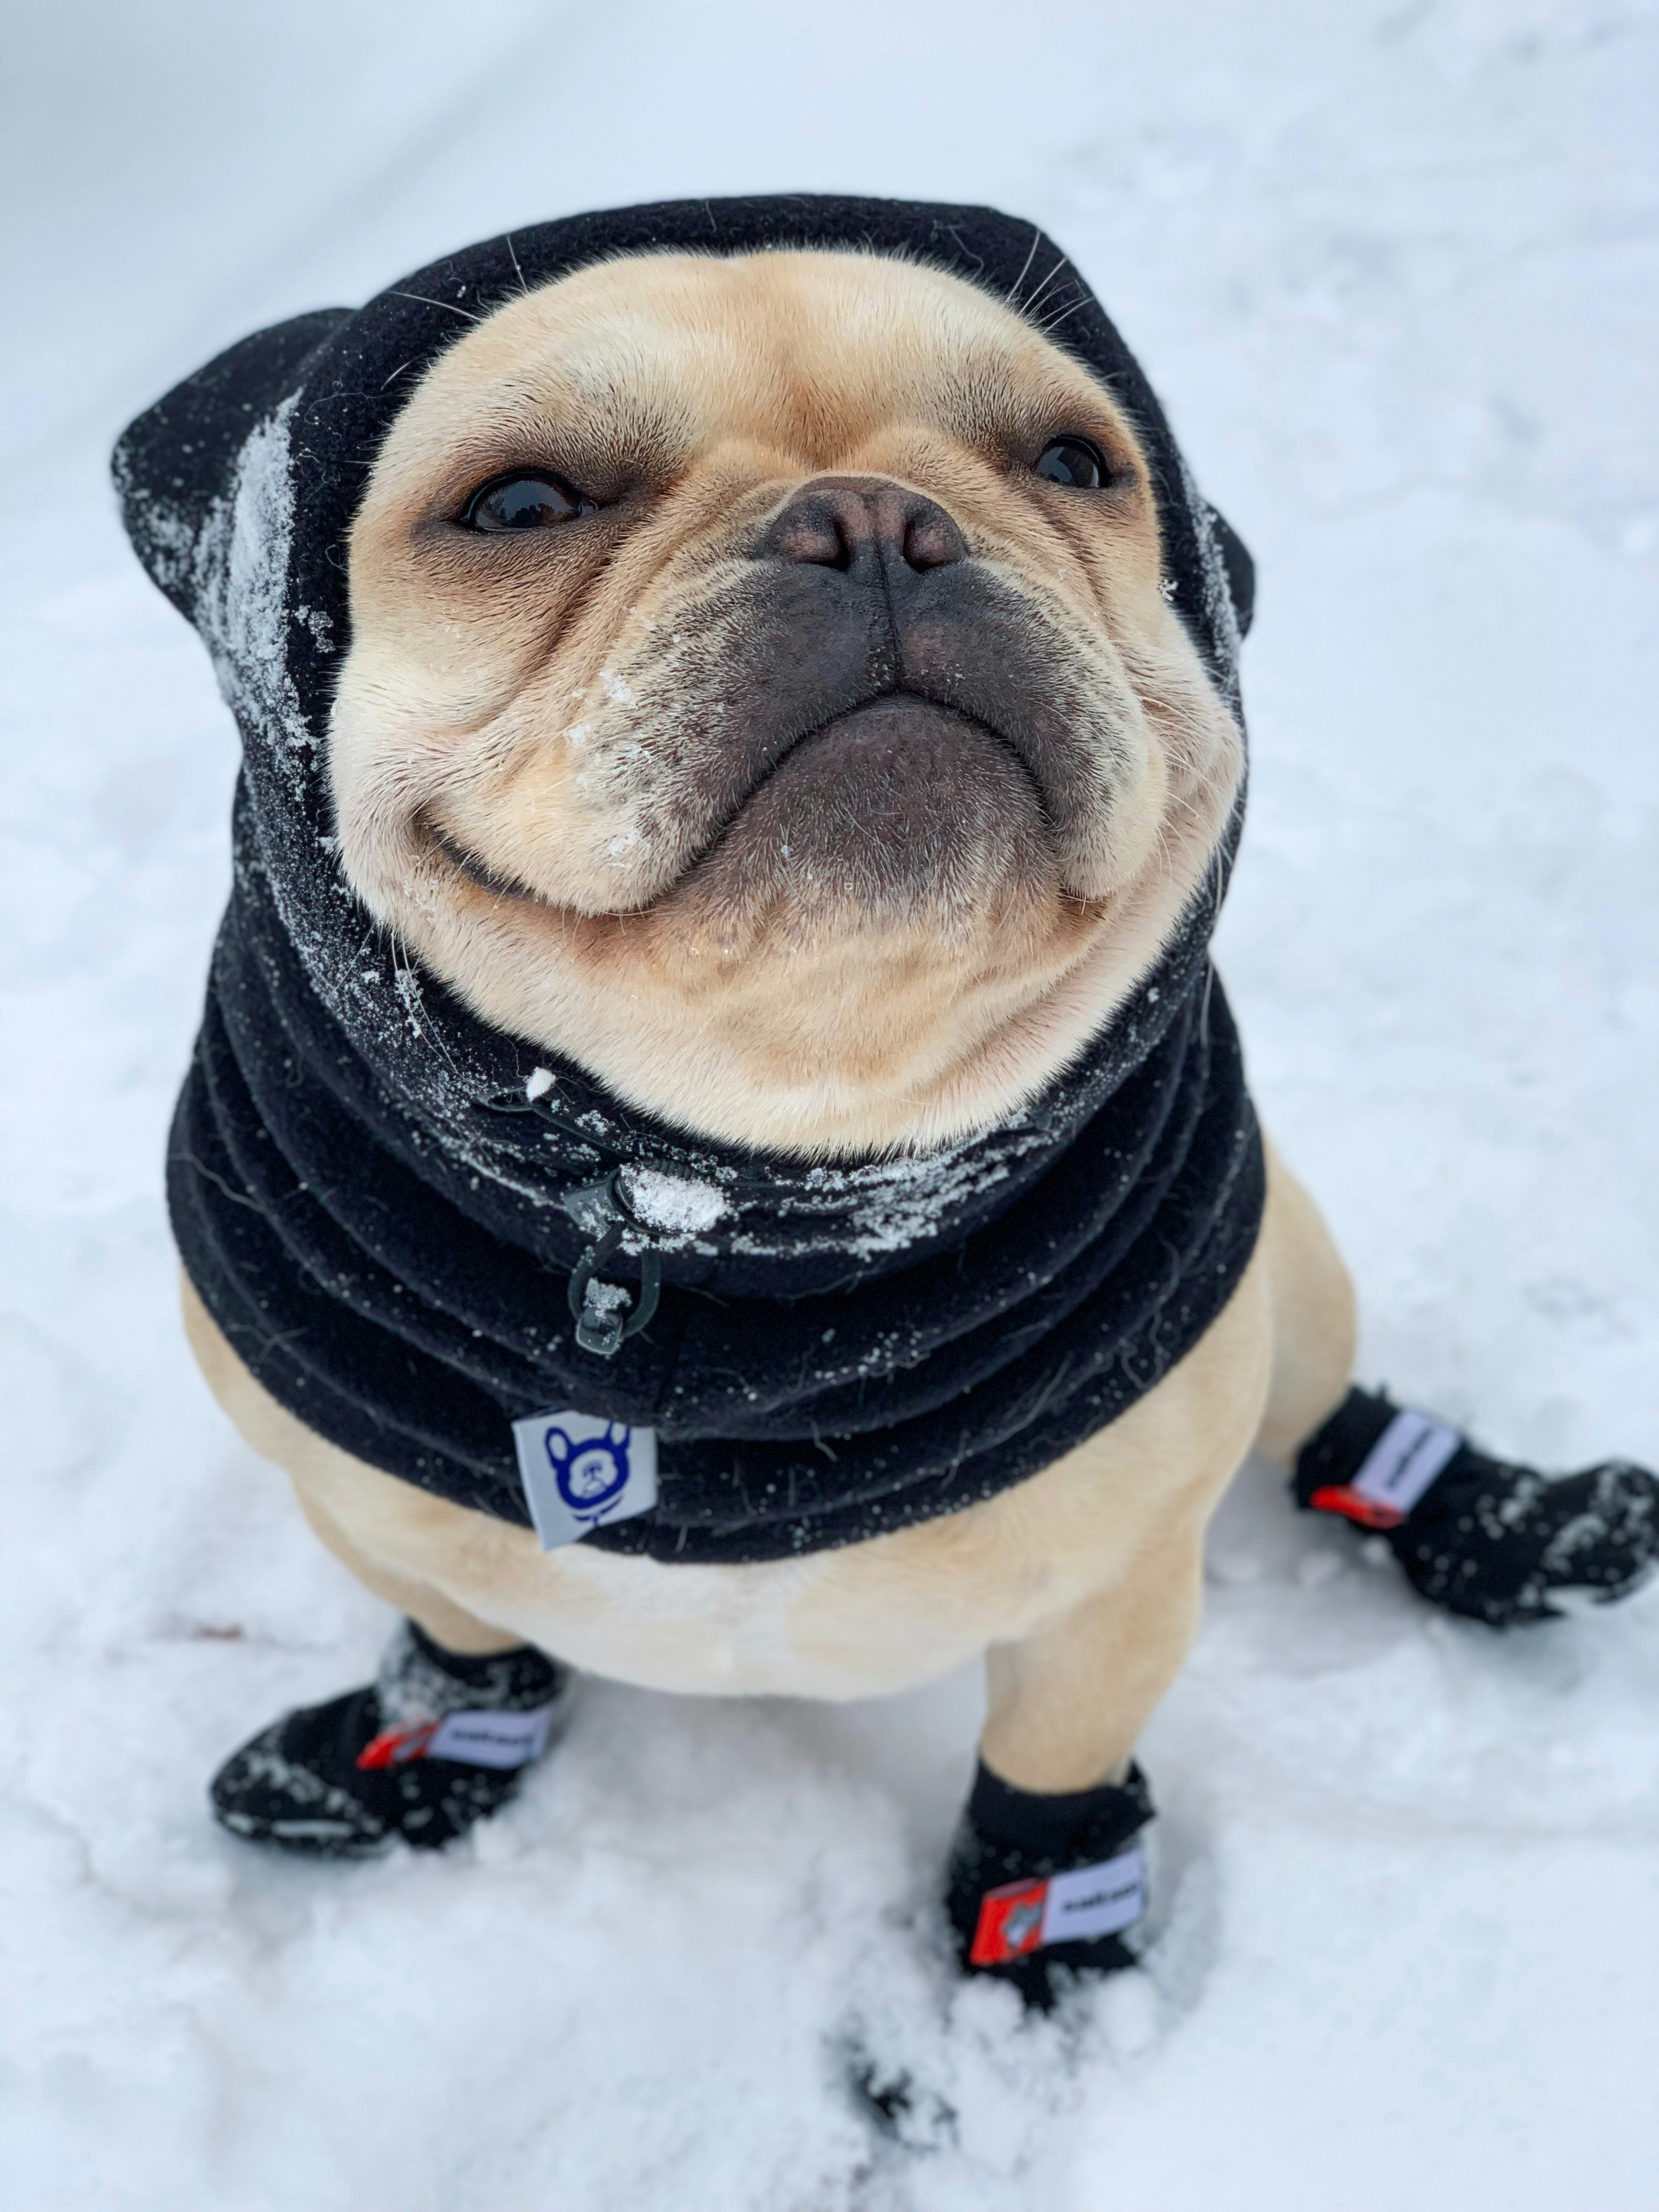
pixel 530 501
pixel 1072 462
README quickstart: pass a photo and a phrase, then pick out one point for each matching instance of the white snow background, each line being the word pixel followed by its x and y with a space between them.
pixel 1393 266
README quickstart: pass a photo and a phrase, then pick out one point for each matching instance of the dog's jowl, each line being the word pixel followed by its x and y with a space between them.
pixel 716 1155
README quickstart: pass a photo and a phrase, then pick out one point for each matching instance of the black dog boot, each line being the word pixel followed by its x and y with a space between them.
pixel 1494 1542
pixel 1041 1886
pixel 435 1742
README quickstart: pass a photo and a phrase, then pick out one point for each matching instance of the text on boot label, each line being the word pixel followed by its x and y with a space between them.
pixel 1404 1460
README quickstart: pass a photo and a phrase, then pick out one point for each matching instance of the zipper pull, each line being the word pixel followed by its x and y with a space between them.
pixel 601 1310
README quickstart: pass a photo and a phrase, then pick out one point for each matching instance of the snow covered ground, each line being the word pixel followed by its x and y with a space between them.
pixel 1393 265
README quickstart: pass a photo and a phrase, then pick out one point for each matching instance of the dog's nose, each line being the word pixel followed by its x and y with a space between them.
pixel 863 526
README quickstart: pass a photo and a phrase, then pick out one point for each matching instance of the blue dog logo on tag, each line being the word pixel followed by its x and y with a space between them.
pixel 592 1472
pixel 582 1469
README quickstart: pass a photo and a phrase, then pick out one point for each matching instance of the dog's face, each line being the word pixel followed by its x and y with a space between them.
pixel 761 690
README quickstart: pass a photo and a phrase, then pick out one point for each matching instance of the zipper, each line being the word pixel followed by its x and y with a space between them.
pixel 607 1314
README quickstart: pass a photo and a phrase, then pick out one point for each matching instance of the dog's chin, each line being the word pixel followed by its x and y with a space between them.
pixel 901 814
pixel 862 958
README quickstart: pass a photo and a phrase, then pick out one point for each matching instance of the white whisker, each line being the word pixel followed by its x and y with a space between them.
pixel 1011 297
pixel 466 313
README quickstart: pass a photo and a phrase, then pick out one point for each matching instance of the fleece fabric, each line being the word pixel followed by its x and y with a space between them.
pixel 373 1190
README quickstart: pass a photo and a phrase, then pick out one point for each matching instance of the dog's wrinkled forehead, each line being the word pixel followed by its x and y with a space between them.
pixel 647 361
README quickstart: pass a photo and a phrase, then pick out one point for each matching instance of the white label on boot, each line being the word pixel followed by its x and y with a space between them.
pixel 1405 1460
pixel 491 1739
pixel 580 1470
pixel 1096 1901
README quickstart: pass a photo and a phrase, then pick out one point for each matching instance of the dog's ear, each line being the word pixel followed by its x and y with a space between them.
pixel 1241 570
pixel 175 467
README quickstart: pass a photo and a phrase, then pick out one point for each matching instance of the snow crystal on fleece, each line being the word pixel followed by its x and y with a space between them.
pixel 896 1203
pixel 1218 607
pixel 240 574
pixel 674 1206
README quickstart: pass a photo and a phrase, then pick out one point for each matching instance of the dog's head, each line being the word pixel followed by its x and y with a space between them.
pixel 762 690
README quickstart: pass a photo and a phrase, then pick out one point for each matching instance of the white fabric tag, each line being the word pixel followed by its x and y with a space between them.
pixel 1096 1901
pixel 580 1469
pixel 491 1739
pixel 1405 1460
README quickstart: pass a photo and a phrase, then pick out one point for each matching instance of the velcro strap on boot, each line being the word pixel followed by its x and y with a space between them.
pixel 1033 1873
pixel 1373 1462
pixel 477 1739
pixel 1076 1907
pixel 1408 1456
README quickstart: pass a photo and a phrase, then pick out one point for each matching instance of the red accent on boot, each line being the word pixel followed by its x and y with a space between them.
pixel 1010 1923
pixel 395 1747
pixel 1340 1498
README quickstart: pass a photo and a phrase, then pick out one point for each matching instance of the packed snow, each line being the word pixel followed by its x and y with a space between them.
pixel 676 1206
pixel 1393 267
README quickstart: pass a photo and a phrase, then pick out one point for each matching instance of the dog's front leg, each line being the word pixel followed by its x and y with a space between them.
pixel 1046 1871
pixel 1068 1704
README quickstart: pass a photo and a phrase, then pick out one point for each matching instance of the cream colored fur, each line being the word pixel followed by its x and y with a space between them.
pixel 557 706
pixel 553 709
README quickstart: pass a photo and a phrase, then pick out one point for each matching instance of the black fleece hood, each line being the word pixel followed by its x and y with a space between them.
pixel 391 1209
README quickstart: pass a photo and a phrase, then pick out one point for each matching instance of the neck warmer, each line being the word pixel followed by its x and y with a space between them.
pixel 416 1229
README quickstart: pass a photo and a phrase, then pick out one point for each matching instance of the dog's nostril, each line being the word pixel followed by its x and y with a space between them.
pixel 812 535
pixel 932 540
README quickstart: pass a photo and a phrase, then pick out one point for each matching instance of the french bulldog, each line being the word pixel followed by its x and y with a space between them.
pixel 778 692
